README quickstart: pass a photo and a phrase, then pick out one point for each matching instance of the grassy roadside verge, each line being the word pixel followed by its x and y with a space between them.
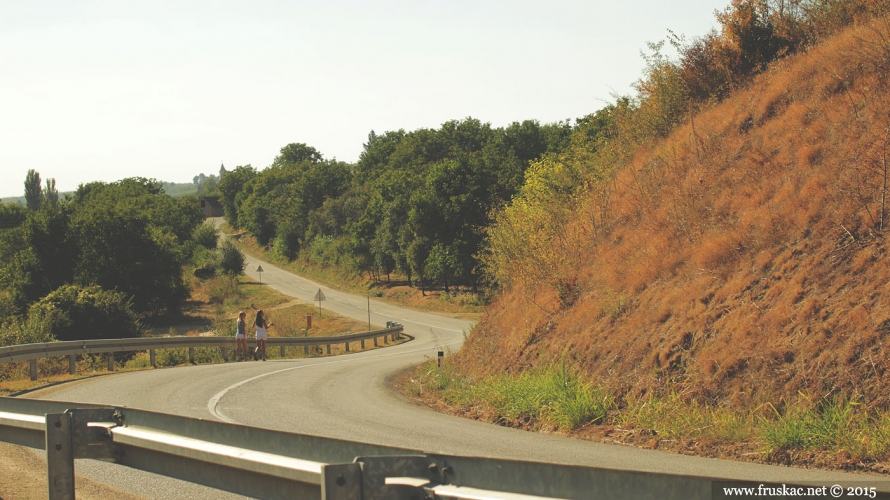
pixel 831 433
pixel 460 303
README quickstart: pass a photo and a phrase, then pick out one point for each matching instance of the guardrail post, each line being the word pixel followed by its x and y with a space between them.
pixel 192 355
pixel 59 456
pixel 329 349
pixel 375 342
pixel 363 344
pixel 111 361
pixel 341 482
pixel 346 345
pixel 33 370
pixel 225 354
pixel 282 351
pixel 72 364
pixel 306 350
pixel 153 358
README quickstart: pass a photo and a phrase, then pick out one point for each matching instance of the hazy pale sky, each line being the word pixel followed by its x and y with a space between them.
pixel 100 90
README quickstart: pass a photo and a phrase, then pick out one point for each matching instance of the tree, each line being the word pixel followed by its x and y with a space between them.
pixel 75 312
pixel 528 245
pixel 12 215
pixel 278 200
pixel 230 188
pixel 42 259
pixel 33 192
pixel 118 252
pixel 50 193
pixel 375 157
pixel 231 259
pixel 134 238
pixel 297 153
pixel 206 236
pixel 750 37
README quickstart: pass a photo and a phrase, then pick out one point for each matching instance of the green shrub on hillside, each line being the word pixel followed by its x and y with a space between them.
pixel 74 312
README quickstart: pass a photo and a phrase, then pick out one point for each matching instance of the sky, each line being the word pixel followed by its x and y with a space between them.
pixel 101 90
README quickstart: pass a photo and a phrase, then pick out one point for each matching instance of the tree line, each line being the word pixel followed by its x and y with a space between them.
pixel 97 263
pixel 416 203
pixel 466 203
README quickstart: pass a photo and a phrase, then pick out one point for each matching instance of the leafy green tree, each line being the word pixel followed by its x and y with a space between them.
pixel 418 251
pixel 288 240
pixel 33 193
pixel 662 99
pixel 134 238
pixel 295 153
pixel 232 260
pixel 47 259
pixel 276 203
pixel 208 186
pixel 230 188
pixel 521 243
pixel 123 253
pixel 12 215
pixel 141 198
pixel 375 157
pixel 206 236
pixel 73 312
pixel 50 193
pixel 24 279
pixel 255 215
pixel 126 236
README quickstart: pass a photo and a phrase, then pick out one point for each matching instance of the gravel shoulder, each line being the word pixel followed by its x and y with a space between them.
pixel 23 477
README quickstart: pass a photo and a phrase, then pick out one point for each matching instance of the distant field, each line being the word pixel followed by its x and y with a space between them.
pixel 18 199
pixel 172 188
pixel 176 190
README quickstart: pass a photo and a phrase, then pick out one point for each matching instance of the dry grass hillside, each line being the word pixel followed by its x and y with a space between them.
pixel 744 258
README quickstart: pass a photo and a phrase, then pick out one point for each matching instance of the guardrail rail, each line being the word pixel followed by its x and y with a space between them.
pixel 73 348
pixel 268 464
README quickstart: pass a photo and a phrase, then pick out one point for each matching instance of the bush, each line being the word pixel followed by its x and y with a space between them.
pixel 287 241
pixel 205 235
pixel 74 312
pixel 231 260
pixel 206 262
pixel 20 331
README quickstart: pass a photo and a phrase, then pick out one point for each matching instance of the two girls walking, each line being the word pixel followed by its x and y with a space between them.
pixel 261 336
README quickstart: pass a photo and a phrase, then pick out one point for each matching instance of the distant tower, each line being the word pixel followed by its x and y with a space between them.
pixel 222 170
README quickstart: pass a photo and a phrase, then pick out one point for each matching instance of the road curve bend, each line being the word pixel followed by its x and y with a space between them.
pixel 348 397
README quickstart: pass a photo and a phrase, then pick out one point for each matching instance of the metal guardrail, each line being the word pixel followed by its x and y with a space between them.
pixel 73 348
pixel 268 464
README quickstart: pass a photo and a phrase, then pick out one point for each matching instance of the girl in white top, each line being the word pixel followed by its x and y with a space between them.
pixel 241 337
pixel 261 334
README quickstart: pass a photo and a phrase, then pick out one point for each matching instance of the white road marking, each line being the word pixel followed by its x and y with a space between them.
pixel 431 326
pixel 213 403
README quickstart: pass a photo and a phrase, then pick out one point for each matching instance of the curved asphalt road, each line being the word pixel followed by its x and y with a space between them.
pixel 347 397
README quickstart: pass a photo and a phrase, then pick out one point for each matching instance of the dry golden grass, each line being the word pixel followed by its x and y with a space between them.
pixel 745 261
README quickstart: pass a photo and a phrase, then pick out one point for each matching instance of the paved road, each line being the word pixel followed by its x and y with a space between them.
pixel 347 397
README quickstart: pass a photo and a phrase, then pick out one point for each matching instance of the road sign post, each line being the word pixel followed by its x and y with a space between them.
pixel 319 296
pixel 259 269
